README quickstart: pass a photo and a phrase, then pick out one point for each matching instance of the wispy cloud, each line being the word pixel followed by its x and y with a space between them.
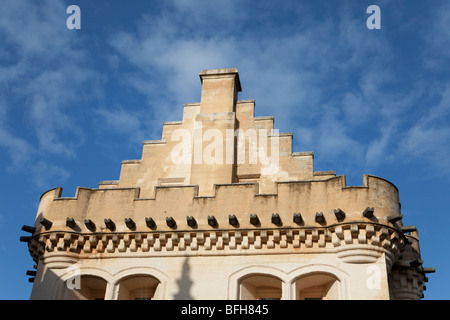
pixel 19 150
pixel 437 38
pixel 42 75
pixel 122 122
pixel 428 138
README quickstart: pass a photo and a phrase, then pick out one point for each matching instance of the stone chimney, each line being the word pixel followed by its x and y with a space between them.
pixel 217 116
pixel 219 90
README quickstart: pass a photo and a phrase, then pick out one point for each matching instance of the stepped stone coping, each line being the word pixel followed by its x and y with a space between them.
pixel 324 173
pixel 264 118
pixel 246 101
pixel 109 182
pixel 131 161
pixel 281 134
pixel 193 104
pixel 154 142
pixel 168 123
pixel 303 154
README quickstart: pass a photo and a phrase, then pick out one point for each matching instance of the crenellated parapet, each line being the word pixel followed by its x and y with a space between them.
pixel 318 216
pixel 331 199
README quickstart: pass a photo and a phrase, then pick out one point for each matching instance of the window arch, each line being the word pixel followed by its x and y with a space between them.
pixel 139 283
pixel 90 287
pixel 78 283
pixel 310 281
pixel 319 281
pixel 257 282
pixel 317 286
pixel 260 287
pixel 137 287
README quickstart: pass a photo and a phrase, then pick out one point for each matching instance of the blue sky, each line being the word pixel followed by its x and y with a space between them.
pixel 75 103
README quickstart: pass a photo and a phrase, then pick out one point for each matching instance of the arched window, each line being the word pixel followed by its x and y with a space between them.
pixel 89 288
pixel 260 287
pixel 317 286
pixel 138 287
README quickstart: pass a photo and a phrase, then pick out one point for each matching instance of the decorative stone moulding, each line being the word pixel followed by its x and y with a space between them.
pixel 358 242
pixel 407 283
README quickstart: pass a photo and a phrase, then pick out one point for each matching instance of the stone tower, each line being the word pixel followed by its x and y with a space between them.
pixel 222 208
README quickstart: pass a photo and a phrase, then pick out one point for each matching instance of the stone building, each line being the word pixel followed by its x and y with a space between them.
pixel 222 208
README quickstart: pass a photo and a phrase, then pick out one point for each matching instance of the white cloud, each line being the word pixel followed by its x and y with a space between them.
pixel 119 121
pixel 428 138
pixel 42 73
pixel 44 172
pixel 19 150
pixel 36 29
pixel 437 37
pixel 380 149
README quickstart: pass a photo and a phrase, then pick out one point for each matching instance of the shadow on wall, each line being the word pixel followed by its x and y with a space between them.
pixel 50 286
pixel 45 279
pixel 184 283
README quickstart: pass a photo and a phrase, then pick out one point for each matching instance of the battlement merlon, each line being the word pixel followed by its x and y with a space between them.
pixel 306 198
